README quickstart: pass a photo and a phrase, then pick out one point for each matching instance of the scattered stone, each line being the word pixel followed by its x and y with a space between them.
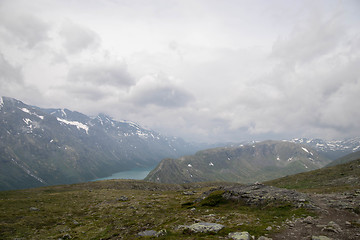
pixel 239 236
pixel 320 238
pixel 269 228
pixel 66 236
pixel 189 193
pixel 148 233
pixel 259 195
pixel 193 209
pixel 123 198
pixel 309 220
pixel 264 238
pixel 332 227
pixel 204 227
pixel 34 209
pixel 152 233
pixel 347 223
pixel 76 222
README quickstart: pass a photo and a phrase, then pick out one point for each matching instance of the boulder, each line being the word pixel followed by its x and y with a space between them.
pixel 332 227
pixel 239 236
pixel 203 227
pixel 320 238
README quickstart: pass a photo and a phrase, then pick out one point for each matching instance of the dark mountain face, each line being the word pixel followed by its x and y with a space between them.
pixel 57 146
pixel 255 162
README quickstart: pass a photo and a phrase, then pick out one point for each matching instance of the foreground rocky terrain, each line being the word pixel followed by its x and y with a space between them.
pixel 129 209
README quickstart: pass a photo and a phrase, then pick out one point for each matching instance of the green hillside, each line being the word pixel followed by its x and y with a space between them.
pixel 348 158
pixel 329 179
pixel 245 164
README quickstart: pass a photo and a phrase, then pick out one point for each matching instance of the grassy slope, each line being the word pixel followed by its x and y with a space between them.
pixel 330 179
pixel 95 211
pixel 348 158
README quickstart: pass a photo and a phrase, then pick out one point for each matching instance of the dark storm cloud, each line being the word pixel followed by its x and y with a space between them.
pixel 101 74
pixel 25 29
pixel 78 38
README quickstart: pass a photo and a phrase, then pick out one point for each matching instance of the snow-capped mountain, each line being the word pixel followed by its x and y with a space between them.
pixel 333 149
pixel 57 146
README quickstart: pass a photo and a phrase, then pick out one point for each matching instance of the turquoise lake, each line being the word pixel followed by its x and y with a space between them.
pixel 138 174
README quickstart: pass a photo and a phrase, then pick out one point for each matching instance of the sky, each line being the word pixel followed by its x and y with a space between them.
pixel 203 70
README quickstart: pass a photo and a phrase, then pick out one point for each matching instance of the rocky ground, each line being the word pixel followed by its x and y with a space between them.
pixel 121 209
pixel 338 218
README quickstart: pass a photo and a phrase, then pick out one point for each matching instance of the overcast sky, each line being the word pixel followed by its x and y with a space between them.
pixel 203 70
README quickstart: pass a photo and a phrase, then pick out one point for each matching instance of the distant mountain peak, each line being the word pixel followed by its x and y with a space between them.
pixel 59 146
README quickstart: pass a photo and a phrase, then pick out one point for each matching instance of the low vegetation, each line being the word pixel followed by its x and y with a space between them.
pixel 120 209
pixel 339 178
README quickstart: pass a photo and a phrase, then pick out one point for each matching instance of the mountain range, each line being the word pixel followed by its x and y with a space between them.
pixel 41 147
pixel 245 163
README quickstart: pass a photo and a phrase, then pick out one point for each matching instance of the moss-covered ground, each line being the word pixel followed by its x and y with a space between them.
pixel 119 209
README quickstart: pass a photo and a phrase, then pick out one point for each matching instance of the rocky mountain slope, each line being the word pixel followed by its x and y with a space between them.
pixel 41 147
pixel 332 149
pixel 250 163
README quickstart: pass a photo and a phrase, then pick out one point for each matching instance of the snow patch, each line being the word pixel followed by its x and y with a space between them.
pixel 51 140
pixel 25 110
pixel 63 113
pixel 78 125
pixel 229 159
pixel 27 121
pixel 189 165
pixel 1 103
pixel 211 164
pixel 278 158
pixel 305 149
pixel 356 148
pixel 28 171
pixel 305 166
pixel 290 159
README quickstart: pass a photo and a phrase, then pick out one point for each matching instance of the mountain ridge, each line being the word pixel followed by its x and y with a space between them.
pixel 246 164
pixel 58 146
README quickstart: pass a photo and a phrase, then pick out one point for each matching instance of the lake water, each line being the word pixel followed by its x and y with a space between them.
pixel 138 174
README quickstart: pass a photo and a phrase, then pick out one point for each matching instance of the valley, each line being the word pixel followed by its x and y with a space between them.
pixel 134 209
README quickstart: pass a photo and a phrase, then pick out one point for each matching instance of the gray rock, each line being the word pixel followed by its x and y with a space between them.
pixel 309 220
pixel 332 227
pixel 320 238
pixel 152 233
pixel 123 198
pixel 204 227
pixel 148 233
pixel 264 238
pixel 269 228
pixel 34 209
pixel 239 236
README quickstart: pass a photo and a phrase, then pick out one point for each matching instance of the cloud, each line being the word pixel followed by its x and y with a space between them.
pixel 98 74
pixel 310 90
pixel 158 90
pixel 78 38
pixel 309 40
pixel 25 29
pixel 8 73
pixel 12 83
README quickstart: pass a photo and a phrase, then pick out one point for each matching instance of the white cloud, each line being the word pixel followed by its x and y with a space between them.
pixel 239 69
pixel 78 38
pixel 23 29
